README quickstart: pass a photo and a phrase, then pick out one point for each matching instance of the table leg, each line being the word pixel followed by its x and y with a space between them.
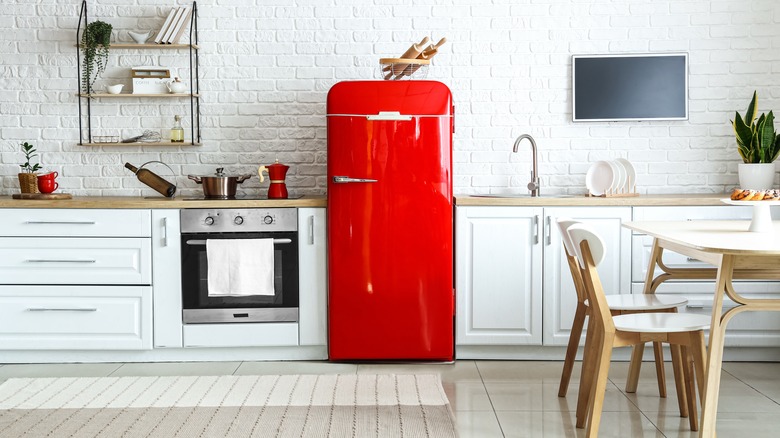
pixel 709 408
pixel 655 256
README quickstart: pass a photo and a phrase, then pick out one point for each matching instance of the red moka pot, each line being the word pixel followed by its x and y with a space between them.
pixel 276 173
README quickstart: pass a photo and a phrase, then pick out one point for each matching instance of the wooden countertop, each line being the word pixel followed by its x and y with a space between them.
pixel 159 202
pixel 695 199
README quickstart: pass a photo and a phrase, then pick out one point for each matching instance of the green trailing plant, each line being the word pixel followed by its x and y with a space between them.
pixel 29 154
pixel 95 43
pixel 757 140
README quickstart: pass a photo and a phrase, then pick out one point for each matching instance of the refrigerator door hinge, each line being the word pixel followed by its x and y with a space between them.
pixel 389 115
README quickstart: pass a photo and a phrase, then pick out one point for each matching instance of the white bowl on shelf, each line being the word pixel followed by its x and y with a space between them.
pixel 139 37
pixel 114 89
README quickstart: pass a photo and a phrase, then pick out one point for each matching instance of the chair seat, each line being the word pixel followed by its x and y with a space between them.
pixel 661 322
pixel 644 302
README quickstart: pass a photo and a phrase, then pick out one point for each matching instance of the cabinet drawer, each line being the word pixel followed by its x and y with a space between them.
pixel 75 317
pixel 27 260
pixel 75 223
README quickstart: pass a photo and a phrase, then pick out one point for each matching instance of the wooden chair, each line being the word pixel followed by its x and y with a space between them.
pixel 618 304
pixel 607 332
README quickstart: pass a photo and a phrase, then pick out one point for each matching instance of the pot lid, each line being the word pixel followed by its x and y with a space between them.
pixel 220 173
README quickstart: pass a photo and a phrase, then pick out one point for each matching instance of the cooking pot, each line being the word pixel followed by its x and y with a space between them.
pixel 219 185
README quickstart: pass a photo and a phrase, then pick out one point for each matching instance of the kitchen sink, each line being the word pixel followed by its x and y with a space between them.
pixel 517 195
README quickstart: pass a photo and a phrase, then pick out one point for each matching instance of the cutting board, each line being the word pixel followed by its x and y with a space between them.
pixel 45 196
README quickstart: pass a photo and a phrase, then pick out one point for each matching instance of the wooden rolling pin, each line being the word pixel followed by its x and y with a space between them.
pixel 412 53
pixel 428 53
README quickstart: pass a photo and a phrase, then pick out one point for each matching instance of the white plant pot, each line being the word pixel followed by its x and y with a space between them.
pixel 756 176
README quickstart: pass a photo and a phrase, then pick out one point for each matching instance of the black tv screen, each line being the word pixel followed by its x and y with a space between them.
pixel 630 87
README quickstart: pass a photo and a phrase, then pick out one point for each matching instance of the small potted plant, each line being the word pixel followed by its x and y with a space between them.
pixel 95 43
pixel 27 177
pixel 758 145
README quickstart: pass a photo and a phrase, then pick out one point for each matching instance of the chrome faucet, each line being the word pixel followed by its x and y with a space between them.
pixel 533 186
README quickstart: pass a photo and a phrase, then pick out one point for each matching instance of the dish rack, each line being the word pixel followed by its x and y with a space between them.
pixel 403 68
pixel 609 194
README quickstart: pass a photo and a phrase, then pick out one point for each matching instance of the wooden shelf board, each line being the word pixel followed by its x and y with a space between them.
pixel 141 143
pixel 150 46
pixel 168 95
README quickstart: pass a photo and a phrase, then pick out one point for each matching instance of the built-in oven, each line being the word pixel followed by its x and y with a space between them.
pixel 200 225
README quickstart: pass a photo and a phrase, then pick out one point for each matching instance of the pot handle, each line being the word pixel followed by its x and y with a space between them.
pixel 260 171
pixel 195 178
pixel 242 178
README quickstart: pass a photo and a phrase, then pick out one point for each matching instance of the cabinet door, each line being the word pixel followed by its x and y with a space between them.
pixel 560 299
pixel 312 276
pixel 498 275
pixel 166 278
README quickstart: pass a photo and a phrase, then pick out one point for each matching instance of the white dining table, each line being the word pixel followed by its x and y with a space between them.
pixel 736 253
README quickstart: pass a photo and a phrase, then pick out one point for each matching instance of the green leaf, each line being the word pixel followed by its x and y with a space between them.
pixel 750 115
pixel 741 131
pixel 767 138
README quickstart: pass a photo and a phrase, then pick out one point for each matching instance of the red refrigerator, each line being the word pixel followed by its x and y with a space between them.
pixel 390 221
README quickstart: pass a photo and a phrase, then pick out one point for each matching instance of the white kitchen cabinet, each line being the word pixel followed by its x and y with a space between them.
pixel 750 329
pixel 166 278
pixel 312 276
pixel 73 279
pixel 560 298
pixel 498 275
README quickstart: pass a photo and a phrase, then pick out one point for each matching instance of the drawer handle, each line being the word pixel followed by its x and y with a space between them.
pixel 62 309
pixel 59 261
pixel 692 259
pixel 60 222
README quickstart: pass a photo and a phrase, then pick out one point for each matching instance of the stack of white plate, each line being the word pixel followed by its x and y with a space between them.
pixel 613 177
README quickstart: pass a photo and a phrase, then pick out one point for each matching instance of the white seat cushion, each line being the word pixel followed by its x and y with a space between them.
pixel 644 302
pixel 661 322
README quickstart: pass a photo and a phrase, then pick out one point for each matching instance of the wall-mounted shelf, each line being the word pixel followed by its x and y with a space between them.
pixel 120 95
pixel 85 99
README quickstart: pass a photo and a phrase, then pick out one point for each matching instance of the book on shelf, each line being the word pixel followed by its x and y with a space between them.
pixel 159 38
pixel 181 26
pixel 169 33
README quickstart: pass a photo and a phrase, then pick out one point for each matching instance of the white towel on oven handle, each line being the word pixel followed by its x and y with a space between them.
pixel 240 267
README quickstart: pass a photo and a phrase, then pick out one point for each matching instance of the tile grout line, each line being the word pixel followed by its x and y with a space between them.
pixel 490 399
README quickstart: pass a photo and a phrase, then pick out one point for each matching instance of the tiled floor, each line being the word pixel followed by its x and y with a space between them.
pixel 515 399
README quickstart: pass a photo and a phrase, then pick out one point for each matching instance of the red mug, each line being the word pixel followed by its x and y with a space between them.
pixel 46 182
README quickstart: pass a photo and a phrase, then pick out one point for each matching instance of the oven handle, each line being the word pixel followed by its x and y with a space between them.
pixel 203 242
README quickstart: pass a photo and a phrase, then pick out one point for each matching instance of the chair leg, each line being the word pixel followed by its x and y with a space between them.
pixel 699 354
pixel 658 349
pixel 634 367
pixel 693 413
pixel 678 362
pixel 589 364
pixel 599 386
pixel 571 349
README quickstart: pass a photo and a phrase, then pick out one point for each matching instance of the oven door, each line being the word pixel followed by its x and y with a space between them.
pixel 199 307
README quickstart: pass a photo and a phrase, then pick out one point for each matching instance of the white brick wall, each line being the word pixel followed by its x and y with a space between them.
pixel 266 67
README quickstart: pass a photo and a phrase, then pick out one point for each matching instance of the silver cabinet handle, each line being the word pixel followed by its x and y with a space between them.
pixel 203 242
pixel 62 309
pixel 536 229
pixel 165 231
pixel 58 261
pixel 346 179
pixel 548 231
pixel 311 230
pixel 60 222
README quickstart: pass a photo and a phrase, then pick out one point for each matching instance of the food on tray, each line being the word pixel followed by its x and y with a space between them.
pixel 755 195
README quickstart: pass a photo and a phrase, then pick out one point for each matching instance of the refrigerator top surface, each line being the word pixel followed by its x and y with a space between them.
pixel 404 97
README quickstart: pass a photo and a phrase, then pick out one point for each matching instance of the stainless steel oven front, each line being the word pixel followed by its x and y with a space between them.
pixel 200 225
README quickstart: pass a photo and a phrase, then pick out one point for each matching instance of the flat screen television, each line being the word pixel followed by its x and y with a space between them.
pixel 643 86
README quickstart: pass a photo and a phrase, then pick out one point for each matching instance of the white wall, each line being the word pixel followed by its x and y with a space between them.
pixel 266 67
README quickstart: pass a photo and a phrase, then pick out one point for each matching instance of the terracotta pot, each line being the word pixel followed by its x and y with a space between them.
pixel 28 182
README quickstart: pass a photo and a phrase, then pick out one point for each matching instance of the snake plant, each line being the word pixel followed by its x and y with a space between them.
pixel 757 140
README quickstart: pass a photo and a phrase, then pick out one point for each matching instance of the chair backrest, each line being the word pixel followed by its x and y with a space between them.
pixel 571 257
pixel 591 250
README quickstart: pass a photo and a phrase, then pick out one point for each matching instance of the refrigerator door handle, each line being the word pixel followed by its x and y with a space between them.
pixel 389 115
pixel 346 179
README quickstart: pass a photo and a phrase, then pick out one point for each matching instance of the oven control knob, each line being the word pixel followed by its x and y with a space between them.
pixel 209 220
pixel 268 219
pixel 238 220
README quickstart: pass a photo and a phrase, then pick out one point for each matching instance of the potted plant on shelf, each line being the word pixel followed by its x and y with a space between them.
pixel 95 43
pixel 758 145
pixel 28 181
